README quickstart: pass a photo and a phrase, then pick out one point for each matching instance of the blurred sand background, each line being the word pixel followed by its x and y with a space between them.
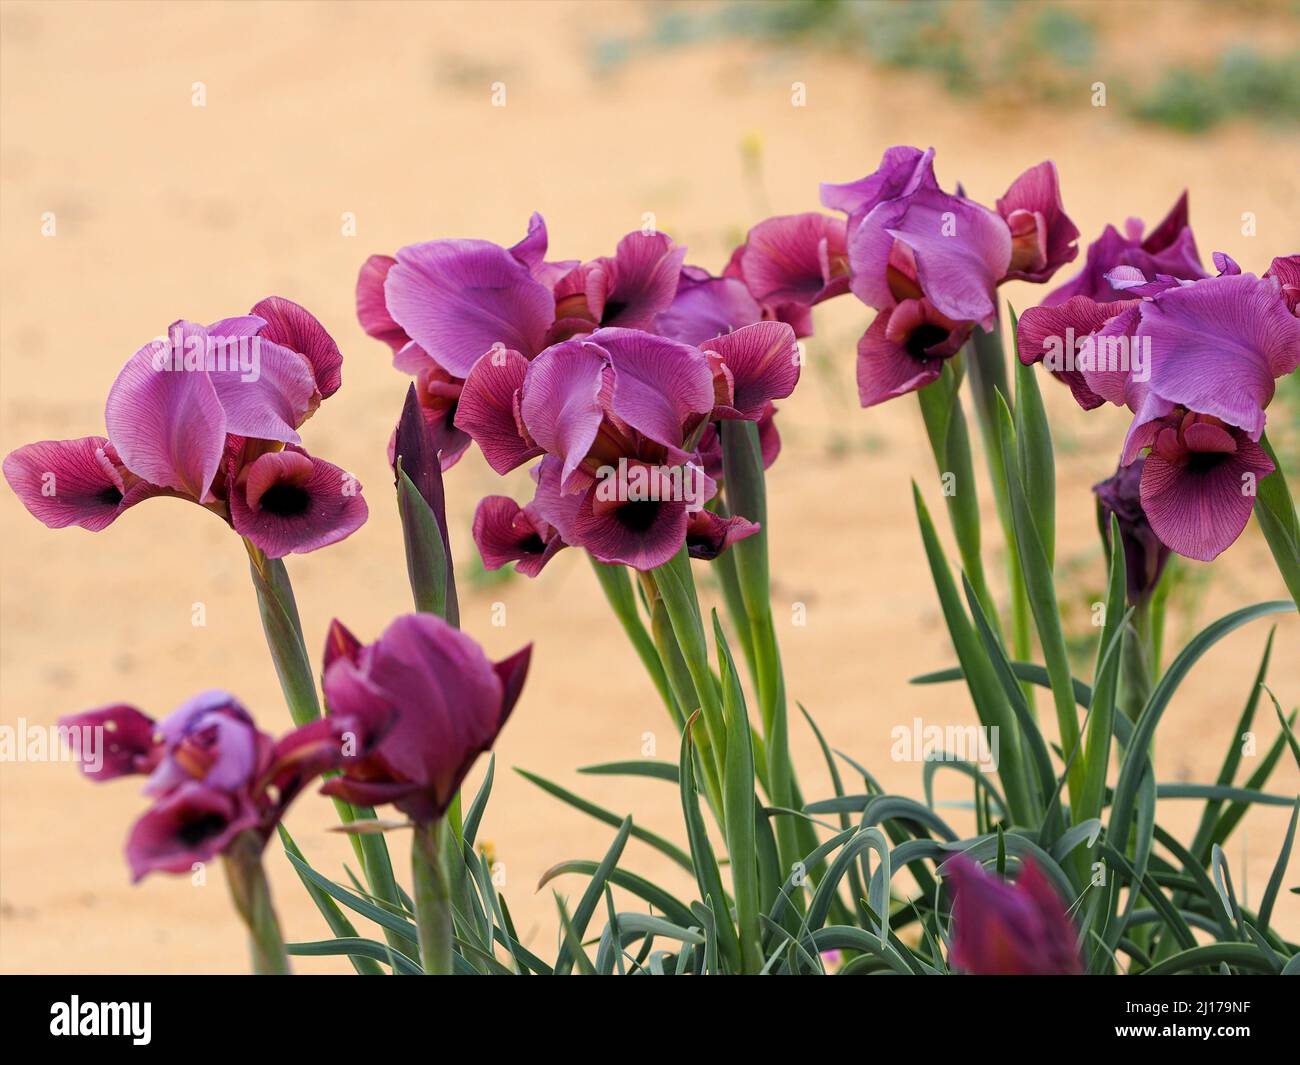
pixel 167 210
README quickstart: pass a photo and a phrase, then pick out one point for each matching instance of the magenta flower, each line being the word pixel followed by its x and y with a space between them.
pixel 1144 555
pixel 213 775
pixel 619 417
pixel 791 263
pixel 447 702
pixel 1169 249
pixel 190 415
pixel 627 290
pixel 1043 239
pixel 1001 929
pixel 930 262
pixel 1196 363
pixel 506 532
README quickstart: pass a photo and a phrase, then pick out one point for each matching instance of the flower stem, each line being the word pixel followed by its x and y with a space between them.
pixel 432 898
pixel 618 590
pixel 251 895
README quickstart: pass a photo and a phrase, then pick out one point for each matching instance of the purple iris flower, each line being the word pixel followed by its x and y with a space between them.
pixel 446 700
pixel 790 263
pixel 619 416
pixel 930 262
pixel 627 290
pixel 1001 929
pixel 1144 555
pixel 213 775
pixel 1196 362
pixel 190 415
pixel 506 532
pixel 1168 249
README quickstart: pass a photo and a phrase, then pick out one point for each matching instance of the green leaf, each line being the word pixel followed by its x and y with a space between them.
pixel 652 893
pixel 1035 564
pixel 1135 759
pixel 406 929
pixel 1275 511
pixel 1238 955
pixel 703 861
pixel 592 895
pixel 1279 871
pixel 654 770
pixel 738 806
pixel 334 917
pixel 990 700
pixel 357 950
pixel 426 559
pixel 1035 458
pixel 660 844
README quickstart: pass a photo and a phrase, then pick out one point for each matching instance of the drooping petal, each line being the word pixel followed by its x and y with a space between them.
pixel 1199 506
pixel 372 310
pixel 294 327
pixel 192 824
pixel 458 298
pixel 506 532
pixel 68 482
pixel 287 501
pixel 166 422
pixel 113 741
pixel 639 533
pixel 763 361
pixel 556 507
pixel 489 409
pixel 902 350
pixel 266 390
pixel 658 383
pixel 1053 335
pixel 709 534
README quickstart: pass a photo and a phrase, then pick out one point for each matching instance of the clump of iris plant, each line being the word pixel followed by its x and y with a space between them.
pixel 210 414
pixel 930 262
pixel 447 704
pixel 219 786
pixel 1196 362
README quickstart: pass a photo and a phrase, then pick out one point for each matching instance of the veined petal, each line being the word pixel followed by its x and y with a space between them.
pixel 294 327
pixel 372 310
pixel 658 383
pixel 458 298
pixel 763 360
pixel 68 482
pixel 287 501
pixel 559 406
pixel 487 406
pixel 168 425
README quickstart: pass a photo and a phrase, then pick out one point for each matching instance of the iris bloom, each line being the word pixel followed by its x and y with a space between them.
pixel 213 775
pixel 210 414
pixel 1144 555
pixel 1168 249
pixel 618 417
pixel 930 262
pixel 1196 362
pixel 447 703
pixel 1001 929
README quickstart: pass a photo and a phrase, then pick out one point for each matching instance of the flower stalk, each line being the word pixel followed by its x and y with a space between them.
pixel 251 895
pixel 432 897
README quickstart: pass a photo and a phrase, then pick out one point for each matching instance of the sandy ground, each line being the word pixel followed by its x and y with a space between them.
pixel 167 210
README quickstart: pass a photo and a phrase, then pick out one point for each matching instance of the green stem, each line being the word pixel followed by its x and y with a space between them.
pixel 618 590
pixel 746 493
pixel 432 897
pixel 1136 666
pixel 252 898
pixel 987 372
